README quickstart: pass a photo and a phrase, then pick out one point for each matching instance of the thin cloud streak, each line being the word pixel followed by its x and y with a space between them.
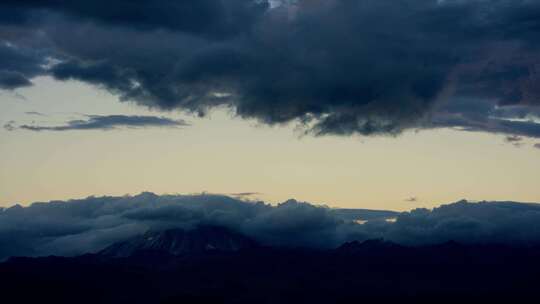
pixel 412 199
pixel 107 122
pixel 516 141
pixel 35 113
pixel 10 126
pixel 244 194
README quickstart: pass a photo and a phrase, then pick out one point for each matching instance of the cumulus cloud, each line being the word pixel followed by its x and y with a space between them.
pixel 484 222
pixel 105 122
pixel 335 67
pixel 88 225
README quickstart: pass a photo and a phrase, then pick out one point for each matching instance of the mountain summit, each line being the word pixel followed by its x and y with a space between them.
pixel 181 242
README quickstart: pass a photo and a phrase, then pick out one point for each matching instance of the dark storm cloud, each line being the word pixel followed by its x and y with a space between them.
pixel 88 225
pixel 17 65
pixel 342 67
pixel 206 17
pixel 108 122
pixel 12 80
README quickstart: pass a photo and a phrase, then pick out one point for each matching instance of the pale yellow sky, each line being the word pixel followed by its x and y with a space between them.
pixel 221 154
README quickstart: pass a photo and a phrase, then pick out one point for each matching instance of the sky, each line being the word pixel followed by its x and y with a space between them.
pixel 357 104
pixel 221 154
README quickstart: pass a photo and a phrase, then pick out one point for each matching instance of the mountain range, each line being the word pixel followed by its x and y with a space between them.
pixel 181 242
pixel 212 264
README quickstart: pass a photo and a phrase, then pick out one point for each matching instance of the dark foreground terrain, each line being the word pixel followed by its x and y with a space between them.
pixel 368 272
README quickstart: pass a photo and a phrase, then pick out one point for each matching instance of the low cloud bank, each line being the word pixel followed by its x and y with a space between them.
pixel 88 225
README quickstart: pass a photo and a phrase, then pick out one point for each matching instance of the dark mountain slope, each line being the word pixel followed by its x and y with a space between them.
pixel 370 272
pixel 181 242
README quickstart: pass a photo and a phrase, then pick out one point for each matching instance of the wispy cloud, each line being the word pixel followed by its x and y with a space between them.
pixel 9 126
pixel 244 194
pixel 515 140
pixel 486 116
pixel 35 113
pixel 106 122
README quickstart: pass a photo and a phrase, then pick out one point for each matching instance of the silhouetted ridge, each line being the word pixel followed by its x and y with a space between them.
pixel 180 242
pixel 374 271
pixel 368 245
